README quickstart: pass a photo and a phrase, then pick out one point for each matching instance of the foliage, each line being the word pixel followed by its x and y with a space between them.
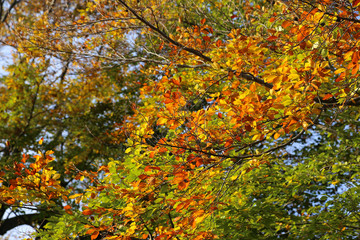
pixel 184 119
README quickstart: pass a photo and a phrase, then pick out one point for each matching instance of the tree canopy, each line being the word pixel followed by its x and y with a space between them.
pixel 181 119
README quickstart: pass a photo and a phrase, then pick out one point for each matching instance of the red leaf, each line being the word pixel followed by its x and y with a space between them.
pixel 272 38
pixel 218 43
pixel 143 176
pixel 149 168
pixel 206 38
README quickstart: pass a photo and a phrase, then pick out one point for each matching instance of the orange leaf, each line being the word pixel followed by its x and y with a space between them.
pixel 94 235
pixel 327 96
pixel 203 21
pixel 302 34
pixel 199 162
pixel 355 57
pixel 10 201
pixel 24 158
pixel 341 77
pixel 176 82
pixel 152 154
pixel 253 87
pixel 67 207
pixel 276 136
pixel 161 46
pixel 183 184
pixel 90 231
pixel 286 24
pixel 355 69
pixel 228 143
pixel 103 168
pixel 87 212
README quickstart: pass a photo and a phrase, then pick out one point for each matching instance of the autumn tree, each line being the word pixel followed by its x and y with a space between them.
pixel 239 120
pixel 48 97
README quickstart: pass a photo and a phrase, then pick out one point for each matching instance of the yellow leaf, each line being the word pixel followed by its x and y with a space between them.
pixel 162 121
pixel 56 176
pixel 200 219
pixel 216 65
pixel 202 136
pixel 340 70
pixel 334 182
pixel 307 65
pixel 348 55
pixel 270 78
pixel 305 125
pixel 132 229
pixel 294 76
pixel 75 195
pixel 287 100
pixel 222 101
pixel 256 137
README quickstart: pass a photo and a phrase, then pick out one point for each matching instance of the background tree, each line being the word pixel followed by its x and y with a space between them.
pixel 49 97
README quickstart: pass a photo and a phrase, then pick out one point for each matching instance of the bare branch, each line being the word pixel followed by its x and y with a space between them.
pixel 13 4
pixel 163 34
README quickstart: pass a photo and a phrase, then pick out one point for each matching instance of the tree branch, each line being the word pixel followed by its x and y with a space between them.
pixel 164 35
pixel 13 4
pixel 333 102
pixel 10 223
pixel 250 77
